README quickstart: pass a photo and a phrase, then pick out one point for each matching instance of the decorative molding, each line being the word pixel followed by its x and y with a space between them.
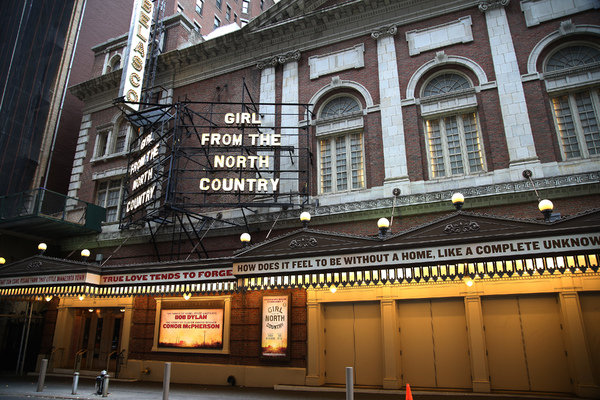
pixel 434 37
pixel 280 59
pixel 303 242
pixel 567 27
pixel 350 58
pixel 440 57
pixel 485 5
pixel 385 31
pixel 538 11
pixel 461 227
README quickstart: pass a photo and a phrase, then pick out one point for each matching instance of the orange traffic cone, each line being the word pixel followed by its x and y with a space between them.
pixel 408 393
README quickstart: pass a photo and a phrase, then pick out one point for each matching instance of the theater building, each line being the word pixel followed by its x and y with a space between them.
pixel 341 113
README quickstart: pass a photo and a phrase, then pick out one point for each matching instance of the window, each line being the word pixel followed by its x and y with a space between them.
pixel 235 17
pixel 576 113
pixel 453 141
pixel 110 193
pixel 217 23
pixel 197 28
pixel 102 143
pixel 341 155
pixel 199 6
pixel 114 64
pixel 110 143
pixel 454 145
pixel 262 4
pixel 179 8
pixel 245 6
pixel 228 13
pixel 219 4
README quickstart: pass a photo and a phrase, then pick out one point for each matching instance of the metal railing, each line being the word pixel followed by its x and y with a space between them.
pixel 53 205
pixel 78 358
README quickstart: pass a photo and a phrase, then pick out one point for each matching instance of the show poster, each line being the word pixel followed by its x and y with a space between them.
pixel 191 329
pixel 275 327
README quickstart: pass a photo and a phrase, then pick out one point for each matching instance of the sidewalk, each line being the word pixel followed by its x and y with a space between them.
pixel 61 387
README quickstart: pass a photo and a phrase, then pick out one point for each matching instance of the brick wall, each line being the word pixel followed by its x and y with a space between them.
pixel 245 332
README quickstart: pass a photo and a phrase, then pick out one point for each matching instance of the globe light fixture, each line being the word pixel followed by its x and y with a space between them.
pixel 42 248
pixel 383 224
pixel 2 261
pixel 305 218
pixel 85 253
pixel 458 200
pixel 245 239
pixel 546 207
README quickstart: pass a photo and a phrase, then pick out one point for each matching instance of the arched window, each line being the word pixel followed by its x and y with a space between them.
pixel 445 83
pixel 340 106
pixel 576 112
pixel 454 142
pixel 114 64
pixel 572 56
pixel 341 155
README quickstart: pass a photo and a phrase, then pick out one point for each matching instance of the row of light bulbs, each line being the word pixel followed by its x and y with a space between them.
pixel 545 206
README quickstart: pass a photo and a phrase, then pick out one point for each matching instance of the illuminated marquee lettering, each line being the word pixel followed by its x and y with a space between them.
pixel 242 118
pixel 140 199
pixel 222 161
pixel 139 33
pixel 236 184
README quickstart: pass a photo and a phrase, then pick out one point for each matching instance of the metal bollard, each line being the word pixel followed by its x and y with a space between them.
pixel 105 387
pixel 42 377
pixel 349 384
pixel 75 382
pixel 167 381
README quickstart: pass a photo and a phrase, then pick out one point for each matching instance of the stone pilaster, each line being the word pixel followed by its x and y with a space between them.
pixel 517 126
pixel 392 125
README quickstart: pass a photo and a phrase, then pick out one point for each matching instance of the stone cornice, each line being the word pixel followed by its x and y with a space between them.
pixel 413 204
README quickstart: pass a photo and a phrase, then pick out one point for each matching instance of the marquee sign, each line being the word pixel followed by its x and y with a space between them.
pixel 433 254
pixel 194 155
pixel 135 53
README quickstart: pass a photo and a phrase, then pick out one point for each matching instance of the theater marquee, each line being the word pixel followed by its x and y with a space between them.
pixel 434 254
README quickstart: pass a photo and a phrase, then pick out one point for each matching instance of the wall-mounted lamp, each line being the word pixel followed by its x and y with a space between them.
pixel 458 200
pixel 187 296
pixel 42 248
pixel 245 239
pixel 2 261
pixel 85 253
pixel 332 288
pixel 81 297
pixel 305 218
pixel 546 207
pixel 48 298
pixel 468 281
pixel 383 224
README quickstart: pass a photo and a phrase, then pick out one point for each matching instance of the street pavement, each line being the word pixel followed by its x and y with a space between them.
pixel 18 387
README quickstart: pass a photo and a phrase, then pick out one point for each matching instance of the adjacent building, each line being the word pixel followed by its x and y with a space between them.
pixel 384 165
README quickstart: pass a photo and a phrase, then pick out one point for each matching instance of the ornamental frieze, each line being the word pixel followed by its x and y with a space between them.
pixel 461 227
pixel 303 242
pixel 385 31
pixel 280 59
pixel 485 5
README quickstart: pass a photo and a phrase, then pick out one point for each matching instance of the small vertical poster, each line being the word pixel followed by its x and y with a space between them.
pixel 275 327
